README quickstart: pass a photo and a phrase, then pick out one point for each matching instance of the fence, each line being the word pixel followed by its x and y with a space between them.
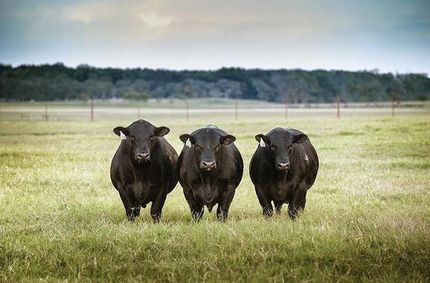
pixel 189 110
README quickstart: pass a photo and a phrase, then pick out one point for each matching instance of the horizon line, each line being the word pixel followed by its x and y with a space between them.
pixel 372 70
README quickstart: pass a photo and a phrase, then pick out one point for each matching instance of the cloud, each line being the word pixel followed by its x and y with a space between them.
pixel 88 12
pixel 154 20
pixel 218 32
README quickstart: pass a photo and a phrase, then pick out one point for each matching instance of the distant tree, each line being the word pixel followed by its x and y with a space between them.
pixel 84 97
pixel 2 88
pixel 59 82
pixel 135 95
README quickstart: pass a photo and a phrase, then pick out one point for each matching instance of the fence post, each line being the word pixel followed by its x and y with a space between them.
pixel 392 106
pixel 46 112
pixel 138 111
pixel 92 109
pixel 187 110
pixel 338 106
pixel 286 108
pixel 236 114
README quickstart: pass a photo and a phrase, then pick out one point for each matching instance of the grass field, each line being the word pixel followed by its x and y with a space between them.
pixel 367 216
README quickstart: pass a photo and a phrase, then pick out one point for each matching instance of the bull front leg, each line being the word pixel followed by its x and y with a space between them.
pixel 128 205
pixel 297 204
pixel 265 203
pixel 224 205
pixel 157 205
pixel 196 207
pixel 134 193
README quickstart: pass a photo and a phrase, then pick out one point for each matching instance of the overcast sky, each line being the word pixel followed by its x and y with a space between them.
pixel 392 36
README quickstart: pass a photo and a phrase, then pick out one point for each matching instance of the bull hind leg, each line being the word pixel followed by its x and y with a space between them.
pixel 297 204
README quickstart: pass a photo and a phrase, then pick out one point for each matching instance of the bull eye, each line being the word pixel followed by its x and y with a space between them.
pixel 273 147
pixel 151 138
pixel 217 148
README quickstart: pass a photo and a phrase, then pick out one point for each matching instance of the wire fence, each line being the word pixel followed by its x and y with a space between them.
pixel 235 110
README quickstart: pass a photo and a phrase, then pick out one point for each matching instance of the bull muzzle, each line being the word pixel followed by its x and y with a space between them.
pixel 283 166
pixel 208 165
pixel 143 157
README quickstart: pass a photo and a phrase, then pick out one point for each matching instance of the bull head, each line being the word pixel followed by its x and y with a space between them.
pixel 207 146
pixel 141 138
pixel 279 146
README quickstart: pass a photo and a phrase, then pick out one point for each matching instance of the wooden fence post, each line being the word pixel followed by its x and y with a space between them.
pixel 236 114
pixel 46 112
pixel 187 113
pixel 338 106
pixel 286 108
pixel 92 109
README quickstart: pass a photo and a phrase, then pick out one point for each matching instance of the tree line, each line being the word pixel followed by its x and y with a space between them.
pixel 59 82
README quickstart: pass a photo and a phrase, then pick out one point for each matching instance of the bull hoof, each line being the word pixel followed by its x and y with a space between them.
pixel 222 219
pixel 196 218
pixel 156 218
pixel 222 215
pixel 197 215
pixel 135 211
pixel 267 213
pixel 293 216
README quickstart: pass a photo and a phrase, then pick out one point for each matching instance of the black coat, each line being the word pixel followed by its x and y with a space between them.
pixel 140 182
pixel 288 184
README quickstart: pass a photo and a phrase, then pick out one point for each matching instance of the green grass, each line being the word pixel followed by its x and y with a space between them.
pixel 367 216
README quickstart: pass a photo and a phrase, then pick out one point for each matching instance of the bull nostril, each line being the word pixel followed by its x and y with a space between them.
pixel 283 165
pixel 143 155
pixel 208 164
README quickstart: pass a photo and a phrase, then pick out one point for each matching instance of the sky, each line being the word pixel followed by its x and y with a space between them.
pixel 391 36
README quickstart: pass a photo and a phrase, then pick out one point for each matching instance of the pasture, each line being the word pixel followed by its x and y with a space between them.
pixel 367 216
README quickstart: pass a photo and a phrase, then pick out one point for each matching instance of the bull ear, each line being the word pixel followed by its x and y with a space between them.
pixel 299 137
pixel 187 139
pixel 161 131
pixel 262 139
pixel 227 139
pixel 119 130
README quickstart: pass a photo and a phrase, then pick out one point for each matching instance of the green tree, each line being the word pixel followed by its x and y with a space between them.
pixel 84 97
pixel 135 95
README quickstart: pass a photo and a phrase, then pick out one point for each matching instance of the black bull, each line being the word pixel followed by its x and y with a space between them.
pixel 210 167
pixel 143 168
pixel 283 168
